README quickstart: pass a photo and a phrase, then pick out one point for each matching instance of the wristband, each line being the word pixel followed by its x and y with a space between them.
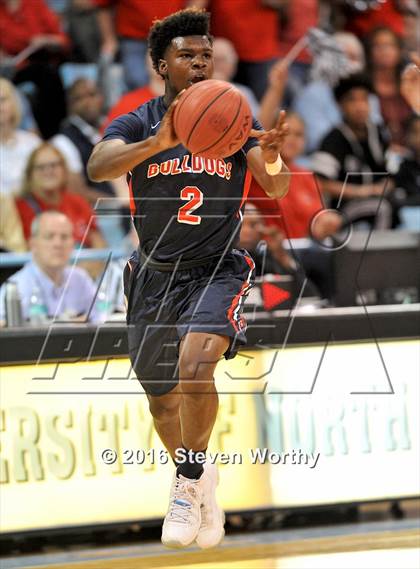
pixel 273 168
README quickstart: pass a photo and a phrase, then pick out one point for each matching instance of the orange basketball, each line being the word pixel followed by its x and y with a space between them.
pixel 213 119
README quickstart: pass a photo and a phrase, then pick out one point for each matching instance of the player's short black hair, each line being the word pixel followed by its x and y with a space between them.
pixel 188 22
pixel 355 81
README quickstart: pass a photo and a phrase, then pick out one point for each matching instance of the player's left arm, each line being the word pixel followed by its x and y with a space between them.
pixel 265 161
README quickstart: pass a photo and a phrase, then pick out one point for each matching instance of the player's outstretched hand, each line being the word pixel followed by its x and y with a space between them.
pixel 410 83
pixel 271 141
pixel 166 135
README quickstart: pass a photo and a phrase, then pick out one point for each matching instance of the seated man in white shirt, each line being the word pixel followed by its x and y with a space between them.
pixel 50 289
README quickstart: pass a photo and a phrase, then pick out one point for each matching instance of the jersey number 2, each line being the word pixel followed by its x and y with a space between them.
pixel 195 199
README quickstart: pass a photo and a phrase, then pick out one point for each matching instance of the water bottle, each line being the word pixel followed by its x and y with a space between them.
pixel 13 305
pixel 104 305
pixel 38 312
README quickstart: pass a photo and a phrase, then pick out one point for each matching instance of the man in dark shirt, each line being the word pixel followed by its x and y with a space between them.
pixel 350 163
pixel 407 178
pixel 78 134
pixel 186 287
pixel 266 246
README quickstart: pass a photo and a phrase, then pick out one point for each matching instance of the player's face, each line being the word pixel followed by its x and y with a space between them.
pixel 53 245
pixel 188 60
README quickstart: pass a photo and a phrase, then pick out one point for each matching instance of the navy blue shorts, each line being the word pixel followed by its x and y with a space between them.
pixel 163 307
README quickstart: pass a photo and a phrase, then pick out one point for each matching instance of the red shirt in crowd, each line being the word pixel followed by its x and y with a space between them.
pixel 293 213
pixel 251 27
pixel 75 207
pixel 127 103
pixel 301 16
pixel 29 20
pixel 383 14
pixel 133 18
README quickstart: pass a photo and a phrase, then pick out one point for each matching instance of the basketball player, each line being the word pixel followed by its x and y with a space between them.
pixel 186 285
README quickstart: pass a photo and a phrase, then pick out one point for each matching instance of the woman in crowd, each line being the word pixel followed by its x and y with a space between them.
pixel 385 61
pixel 45 188
pixel 295 214
pixel 16 145
pixel 301 213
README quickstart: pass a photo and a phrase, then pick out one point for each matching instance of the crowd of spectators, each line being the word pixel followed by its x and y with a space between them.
pixel 69 67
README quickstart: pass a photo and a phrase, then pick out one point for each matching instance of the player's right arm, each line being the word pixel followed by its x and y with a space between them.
pixel 111 159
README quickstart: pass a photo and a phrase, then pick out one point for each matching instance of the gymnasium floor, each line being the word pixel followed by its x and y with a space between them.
pixel 370 545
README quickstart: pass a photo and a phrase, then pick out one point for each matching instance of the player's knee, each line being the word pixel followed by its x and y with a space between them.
pixel 165 407
pixel 196 378
pixel 191 369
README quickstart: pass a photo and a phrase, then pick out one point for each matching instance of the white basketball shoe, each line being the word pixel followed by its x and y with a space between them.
pixel 182 522
pixel 211 530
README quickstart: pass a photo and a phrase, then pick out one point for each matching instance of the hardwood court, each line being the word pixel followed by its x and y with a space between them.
pixel 372 545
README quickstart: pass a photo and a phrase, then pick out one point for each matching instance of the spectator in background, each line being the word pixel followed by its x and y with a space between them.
pixel 272 257
pixel 385 64
pixel 411 15
pixel 11 232
pixel 407 179
pixel 83 30
pixel 62 292
pixel 45 188
pixel 77 137
pixel 38 29
pixel 294 213
pixel 24 26
pixel 351 160
pixel 16 145
pixel 133 19
pixel 137 97
pixel 225 61
pixel 252 27
pixel 296 19
pixel 79 21
pixel 79 133
pixel 265 243
pixel 298 214
pixel 316 103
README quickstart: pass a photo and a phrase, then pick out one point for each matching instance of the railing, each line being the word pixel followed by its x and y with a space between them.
pixel 19 259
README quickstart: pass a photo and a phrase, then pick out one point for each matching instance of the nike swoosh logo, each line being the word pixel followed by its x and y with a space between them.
pixel 155 125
